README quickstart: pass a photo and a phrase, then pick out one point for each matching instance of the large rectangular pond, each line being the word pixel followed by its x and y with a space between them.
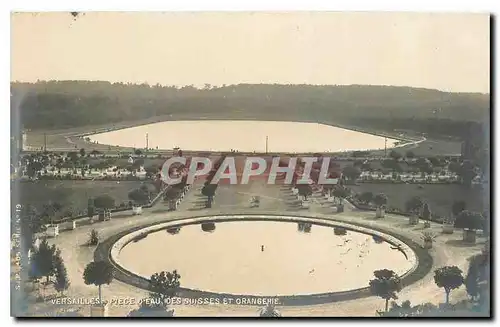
pixel 244 136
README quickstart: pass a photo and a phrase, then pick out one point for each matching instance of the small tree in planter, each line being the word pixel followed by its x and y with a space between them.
pixel 470 222
pixel 93 238
pixel 385 285
pixel 139 197
pixel 104 203
pixel 172 195
pixel 413 206
pixel 305 190
pixel 448 225
pixel 327 190
pixel 380 201
pixel 366 197
pixel 340 193
pixel 428 239
pixel 449 278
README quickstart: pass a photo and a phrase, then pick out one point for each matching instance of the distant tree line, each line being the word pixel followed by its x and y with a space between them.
pixel 432 126
pixel 61 104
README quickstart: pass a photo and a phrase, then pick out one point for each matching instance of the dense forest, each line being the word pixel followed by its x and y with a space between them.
pixel 62 104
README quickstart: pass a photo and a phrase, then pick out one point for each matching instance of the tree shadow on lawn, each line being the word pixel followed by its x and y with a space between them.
pixel 86 245
pixel 122 215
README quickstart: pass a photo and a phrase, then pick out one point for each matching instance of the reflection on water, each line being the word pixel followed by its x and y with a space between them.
pixel 341 231
pixel 208 227
pixel 304 227
pixel 246 136
pixel 263 258
pixel 173 230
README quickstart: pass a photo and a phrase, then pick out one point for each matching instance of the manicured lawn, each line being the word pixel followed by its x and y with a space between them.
pixel 72 195
pixel 439 197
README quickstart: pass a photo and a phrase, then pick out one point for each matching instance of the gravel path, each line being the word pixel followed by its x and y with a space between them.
pixel 447 250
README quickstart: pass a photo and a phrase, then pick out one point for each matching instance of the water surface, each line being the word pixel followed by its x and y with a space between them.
pixel 247 136
pixel 230 259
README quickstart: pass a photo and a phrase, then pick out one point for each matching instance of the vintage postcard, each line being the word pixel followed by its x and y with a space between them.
pixel 250 164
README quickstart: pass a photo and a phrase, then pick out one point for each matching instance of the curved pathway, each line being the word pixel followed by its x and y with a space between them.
pixel 447 250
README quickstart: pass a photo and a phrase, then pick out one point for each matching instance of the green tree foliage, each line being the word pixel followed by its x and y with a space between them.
pixel 73 156
pixel 164 286
pixel 470 220
pixel 30 224
pixel 95 153
pixel 33 168
pixel 395 155
pixel 98 273
pixel 351 173
pixel 457 207
pixel 43 259
pixel 380 200
pixel 414 205
pixel 305 190
pixel 269 311
pixel 208 190
pixel 90 208
pixel 139 196
pixel 392 164
pixel 105 202
pixel 449 278
pixel 173 193
pixel 410 154
pixel 365 197
pixel 50 211
pixel 340 192
pixel 467 173
pixel 79 103
pixel 386 285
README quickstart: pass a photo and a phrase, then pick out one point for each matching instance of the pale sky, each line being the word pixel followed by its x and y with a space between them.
pixel 448 52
